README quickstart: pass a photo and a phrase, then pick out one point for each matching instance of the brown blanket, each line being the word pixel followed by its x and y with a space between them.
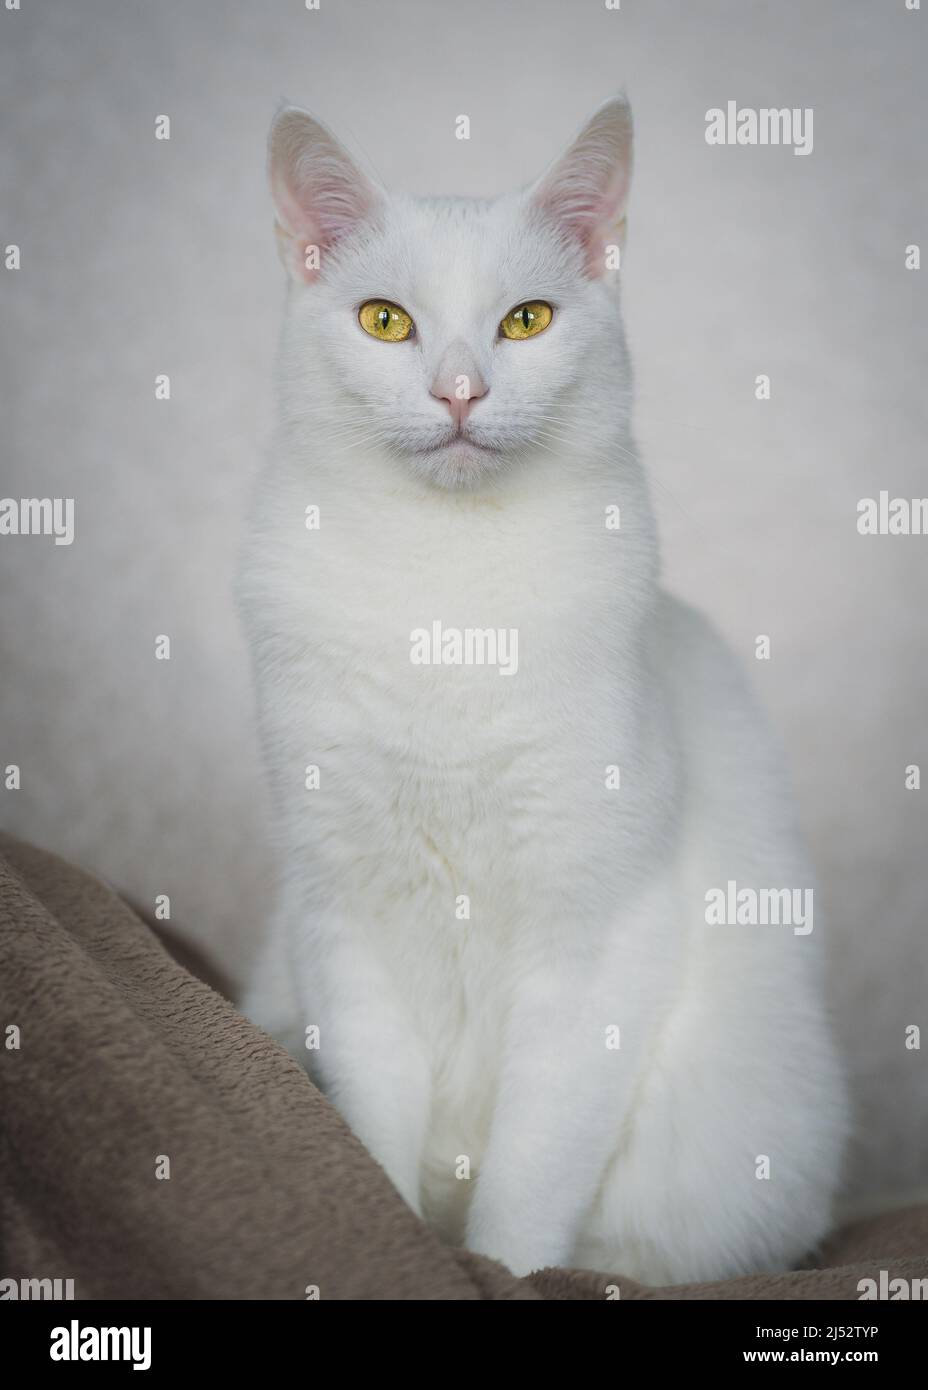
pixel 116 1062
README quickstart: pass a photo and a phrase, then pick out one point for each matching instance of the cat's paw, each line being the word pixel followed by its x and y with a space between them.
pixel 522 1252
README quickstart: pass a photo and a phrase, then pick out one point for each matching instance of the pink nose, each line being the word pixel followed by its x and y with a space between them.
pixel 458 382
pixel 460 405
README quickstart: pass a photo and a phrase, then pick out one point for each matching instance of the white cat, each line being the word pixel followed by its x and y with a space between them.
pixel 494 890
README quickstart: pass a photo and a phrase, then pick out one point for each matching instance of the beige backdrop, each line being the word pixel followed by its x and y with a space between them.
pixel 142 256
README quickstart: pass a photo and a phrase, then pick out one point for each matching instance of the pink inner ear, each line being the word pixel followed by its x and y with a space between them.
pixel 587 189
pixel 589 209
pixel 318 191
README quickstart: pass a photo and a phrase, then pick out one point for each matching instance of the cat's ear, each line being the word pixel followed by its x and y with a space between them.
pixel 586 191
pixel 319 192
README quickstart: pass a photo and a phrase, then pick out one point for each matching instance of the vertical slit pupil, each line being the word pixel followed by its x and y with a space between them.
pixel 526 317
pixel 384 317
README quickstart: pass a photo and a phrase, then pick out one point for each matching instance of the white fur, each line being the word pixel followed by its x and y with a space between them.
pixel 486 1039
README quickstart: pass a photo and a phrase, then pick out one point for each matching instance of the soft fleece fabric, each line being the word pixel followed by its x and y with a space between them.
pixel 126 1058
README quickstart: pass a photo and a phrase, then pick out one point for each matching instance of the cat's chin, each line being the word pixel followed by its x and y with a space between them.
pixel 459 463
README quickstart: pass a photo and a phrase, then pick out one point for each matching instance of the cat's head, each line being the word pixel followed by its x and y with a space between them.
pixel 457 335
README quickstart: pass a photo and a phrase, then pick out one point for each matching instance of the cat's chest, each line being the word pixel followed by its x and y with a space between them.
pixel 435 650
pixel 450 686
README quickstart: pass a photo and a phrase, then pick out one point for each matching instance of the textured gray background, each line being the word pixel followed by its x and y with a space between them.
pixel 142 257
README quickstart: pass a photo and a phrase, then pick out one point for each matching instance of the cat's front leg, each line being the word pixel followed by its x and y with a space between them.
pixel 367 1055
pixel 575 1045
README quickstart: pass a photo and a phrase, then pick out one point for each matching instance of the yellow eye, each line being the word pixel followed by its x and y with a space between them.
pixel 384 320
pixel 527 320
